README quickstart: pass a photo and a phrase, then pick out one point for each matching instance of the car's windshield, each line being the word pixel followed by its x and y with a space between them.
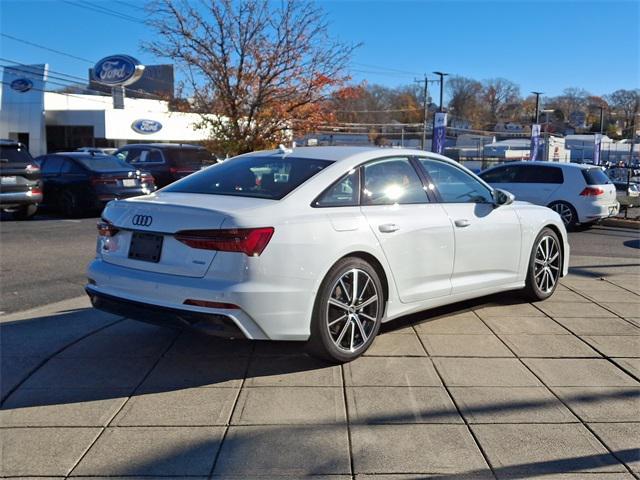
pixel 104 163
pixel 15 155
pixel 595 176
pixel 189 157
pixel 270 177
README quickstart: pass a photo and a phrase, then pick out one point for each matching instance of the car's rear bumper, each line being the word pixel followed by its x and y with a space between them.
pixel 597 212
pixel 11 199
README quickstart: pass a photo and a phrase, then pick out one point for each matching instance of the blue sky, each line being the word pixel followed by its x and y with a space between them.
pixel 544 45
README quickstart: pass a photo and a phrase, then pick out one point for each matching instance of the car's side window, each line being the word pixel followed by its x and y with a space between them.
pixel 541 174
pixel 71 167
pixel 151 156
pixel 344 193
pixel 123 154
pixel 455 185
pixel 391 180
pixel 505 174
pixel 52 165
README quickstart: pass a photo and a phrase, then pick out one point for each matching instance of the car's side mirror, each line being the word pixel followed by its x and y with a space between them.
pixel 502 197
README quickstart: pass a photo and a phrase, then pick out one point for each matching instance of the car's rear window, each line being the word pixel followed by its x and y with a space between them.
pixel 104 163
pixel 595 176
pixel 270 177
pixel 189 157
pixel 15 155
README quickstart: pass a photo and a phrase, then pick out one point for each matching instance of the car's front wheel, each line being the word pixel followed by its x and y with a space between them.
pixel 347 312
pixel 545 266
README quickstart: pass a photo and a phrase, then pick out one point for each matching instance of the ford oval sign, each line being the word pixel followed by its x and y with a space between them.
pixel 146 126
pixel 118 70
pixel 22 85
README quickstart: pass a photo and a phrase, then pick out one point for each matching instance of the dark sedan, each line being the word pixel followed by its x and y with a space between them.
pixel 78 182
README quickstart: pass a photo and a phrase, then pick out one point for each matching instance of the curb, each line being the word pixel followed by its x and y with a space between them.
pixel 620 223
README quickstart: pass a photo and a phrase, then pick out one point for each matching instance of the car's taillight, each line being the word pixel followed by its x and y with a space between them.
pixel 106 229
pixel 36 191
pixel 32 168
pixel 592 192
pixel 250 241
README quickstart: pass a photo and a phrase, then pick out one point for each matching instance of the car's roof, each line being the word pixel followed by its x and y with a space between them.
pixel 547 164
pixel 163 145
pixel 82 154
pixel 336 154
pixel 9 143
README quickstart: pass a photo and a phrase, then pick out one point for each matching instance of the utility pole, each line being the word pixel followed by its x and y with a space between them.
pixel 601 119
pixel 441 75
pixel 537 115
pixel 425 99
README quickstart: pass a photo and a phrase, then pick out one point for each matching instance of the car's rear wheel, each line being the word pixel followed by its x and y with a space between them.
pixel 567 213
pixel 545 266
pixel 348 311
pixel 70 205
pixel 24 212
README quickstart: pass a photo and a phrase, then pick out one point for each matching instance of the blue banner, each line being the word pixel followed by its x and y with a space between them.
pixel 535 141
pixel 439 132
pixel 597 141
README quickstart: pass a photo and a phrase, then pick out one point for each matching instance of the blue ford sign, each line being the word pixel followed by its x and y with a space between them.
pixel 118 70
pixel 146 126
pixel 22 85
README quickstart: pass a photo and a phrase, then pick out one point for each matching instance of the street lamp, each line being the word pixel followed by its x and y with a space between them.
pixel 537 116
pixel 441 75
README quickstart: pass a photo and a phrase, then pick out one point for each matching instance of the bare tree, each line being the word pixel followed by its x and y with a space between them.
pixel 255 69
pixel 627 103
pixel 465 99
pixel 501 97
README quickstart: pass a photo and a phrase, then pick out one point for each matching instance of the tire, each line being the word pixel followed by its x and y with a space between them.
pixel 341 329
pixel 545 266
pixel 567 213
pixel 25 212
pixel 70 206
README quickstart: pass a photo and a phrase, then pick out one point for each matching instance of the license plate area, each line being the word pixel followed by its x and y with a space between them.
pixel 146 247
pixel 8 180
pixel 129 182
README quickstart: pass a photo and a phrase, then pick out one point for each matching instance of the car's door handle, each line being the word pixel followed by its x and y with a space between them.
pixel 388 227
pixel 463 222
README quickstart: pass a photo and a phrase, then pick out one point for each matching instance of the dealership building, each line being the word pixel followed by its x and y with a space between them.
pixel 52 121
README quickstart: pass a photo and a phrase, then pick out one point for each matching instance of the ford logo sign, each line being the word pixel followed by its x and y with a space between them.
pixel 142 220
pixel 146 127
pixel 118 70
pixel 22 85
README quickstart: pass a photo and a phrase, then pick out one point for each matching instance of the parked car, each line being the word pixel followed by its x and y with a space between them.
pixel 579 193
pixel 167 162
pixel 628 194
pixel 20 185
pixel 77 182
pixel 328 243
pixel 104 151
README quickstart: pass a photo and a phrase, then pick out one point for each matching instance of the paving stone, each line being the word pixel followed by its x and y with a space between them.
pixel 199 345
pixel 190 406
pixel 406 344
pixel 521 451
pixel 278 348
pixel 391 371
pixel 61 407
pixel 415 448
pixel 525 325
pixel 613 296
pixel 117 346
pixel 474 475
pixel 632 365
pixel 548 346
pixel 510 405
pixel 602 404
pixel 573 309
pixel 581 476
pixel 485 372
pixel 90 373
pixel 14 370
pixel 43 451
pixel 290 405
pixel 280 450
pixel 615 345
pixel 465 346
pixel 634 320
pixel 622 440
pixel 186 372
pixel 386 405
pixel 598 326
pixel 465 323
pixel 583 372
pixel 397 327
pixel 292 371
pixel 586 286
pixel 567 296
pixel 152 451
pixel 623 309
pixel 512 310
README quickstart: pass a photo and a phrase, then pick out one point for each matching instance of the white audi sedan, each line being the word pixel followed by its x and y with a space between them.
pixel 320 245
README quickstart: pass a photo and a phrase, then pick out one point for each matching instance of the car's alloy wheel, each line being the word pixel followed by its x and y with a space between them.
pixel 566 212
pixel 352 310
pixel 545 266
pixel 348 311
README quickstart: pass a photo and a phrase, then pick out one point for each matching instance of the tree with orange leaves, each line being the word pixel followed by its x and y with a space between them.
pixel 255 70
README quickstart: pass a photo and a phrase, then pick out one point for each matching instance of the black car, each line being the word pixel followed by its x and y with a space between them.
pixel 167 162
pixel 20 185
pixel 78 182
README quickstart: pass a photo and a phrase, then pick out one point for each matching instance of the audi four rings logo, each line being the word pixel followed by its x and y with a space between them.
pixel 142 220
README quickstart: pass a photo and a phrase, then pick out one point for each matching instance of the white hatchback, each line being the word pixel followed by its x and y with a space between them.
pixel 320 245
pixel 581 194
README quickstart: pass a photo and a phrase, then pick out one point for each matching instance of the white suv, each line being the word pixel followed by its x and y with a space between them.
pixel 581 194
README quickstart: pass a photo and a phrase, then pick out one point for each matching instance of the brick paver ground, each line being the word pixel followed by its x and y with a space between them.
pixel 495 388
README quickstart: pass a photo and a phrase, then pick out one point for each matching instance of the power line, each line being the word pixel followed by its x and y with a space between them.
pixel 130 5
pixel 26 42
pixel 112 13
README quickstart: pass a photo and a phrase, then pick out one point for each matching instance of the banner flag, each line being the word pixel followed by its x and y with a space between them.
pixel 597 142
pixel 439 132
pixel 535 141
